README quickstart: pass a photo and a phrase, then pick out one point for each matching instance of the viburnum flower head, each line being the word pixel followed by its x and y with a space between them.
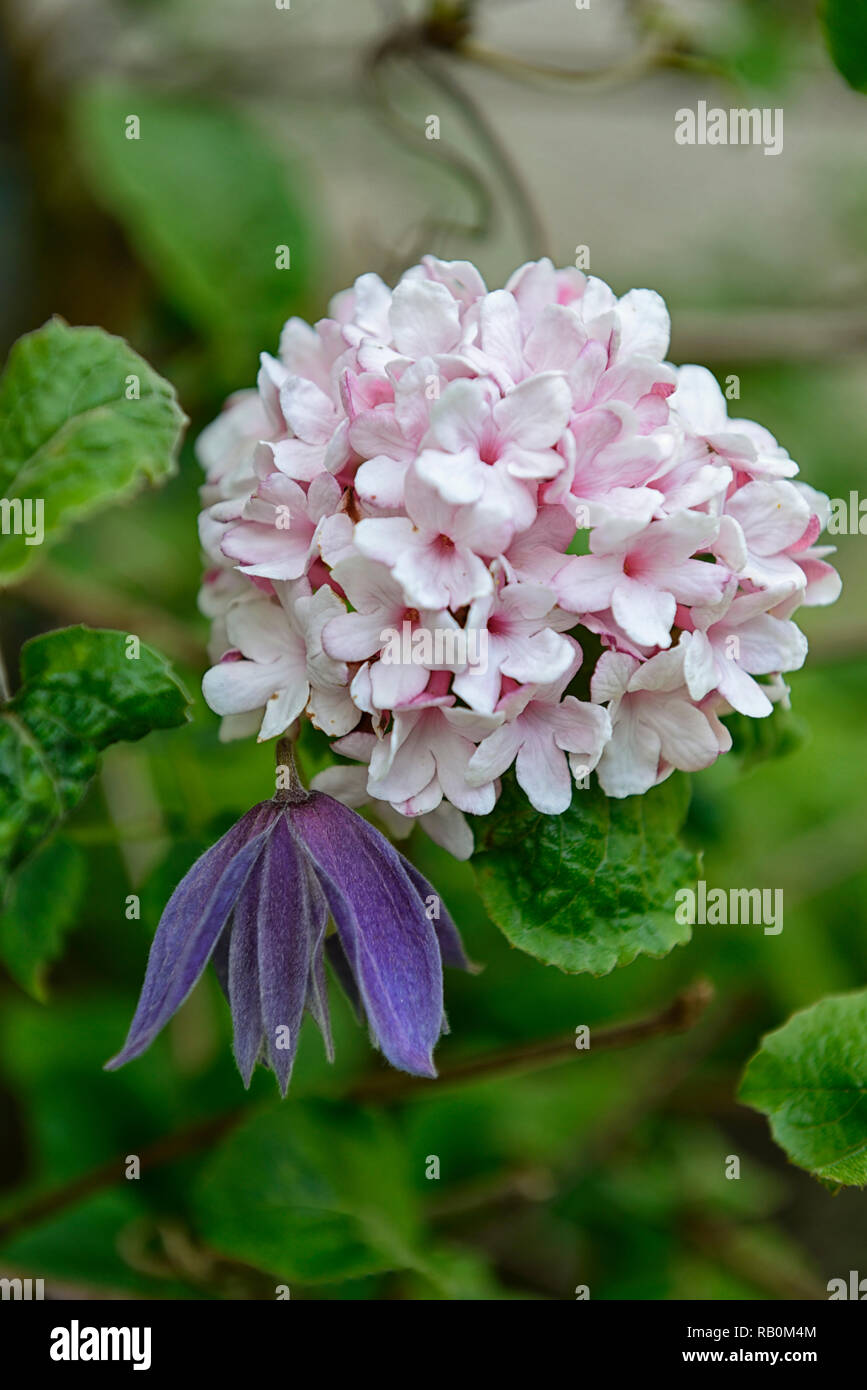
pixel 521 464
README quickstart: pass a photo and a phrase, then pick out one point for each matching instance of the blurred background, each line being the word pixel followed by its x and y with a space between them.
pixel 305 126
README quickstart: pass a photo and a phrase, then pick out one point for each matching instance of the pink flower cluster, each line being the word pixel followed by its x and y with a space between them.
pixel 440 458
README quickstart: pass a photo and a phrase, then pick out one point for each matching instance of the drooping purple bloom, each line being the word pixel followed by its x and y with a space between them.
pixel 258 903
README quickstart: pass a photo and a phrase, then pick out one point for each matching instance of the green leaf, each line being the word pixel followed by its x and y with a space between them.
pixel 594 887
pixel 43 903
pixel 96 685
pixel 80 691
pixel 845 25
pixel 310 1191
pixel 206 202
pixel 810 1079
pixel 71 439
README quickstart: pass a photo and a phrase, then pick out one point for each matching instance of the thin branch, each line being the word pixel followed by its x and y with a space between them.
pixel 536 1184
pixel 769 334
pixel 407 132
pixel 650 54
pixel 532 229
pixel 681 1014
pixel 294 792
pixel 673 1072
pixel 684 1011
pixel 5 690
pixel 165 1150
pixel 423 45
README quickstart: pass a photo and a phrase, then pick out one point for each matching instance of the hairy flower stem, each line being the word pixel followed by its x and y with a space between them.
pixel 290 788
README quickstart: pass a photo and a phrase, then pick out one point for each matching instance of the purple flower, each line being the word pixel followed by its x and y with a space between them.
pixel 258 903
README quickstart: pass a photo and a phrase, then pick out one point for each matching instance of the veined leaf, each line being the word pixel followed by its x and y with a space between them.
pixel 810 1078
pixel 594 887
pixel 81 690
pixel 84 422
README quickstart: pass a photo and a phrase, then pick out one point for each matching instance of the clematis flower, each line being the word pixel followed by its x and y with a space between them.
pixel 445 824
pixel 257 904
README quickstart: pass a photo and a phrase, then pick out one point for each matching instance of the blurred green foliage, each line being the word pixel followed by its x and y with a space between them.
pixel 845 24
pixel 168 167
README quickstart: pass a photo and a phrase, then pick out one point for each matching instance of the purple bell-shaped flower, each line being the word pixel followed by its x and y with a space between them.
pixel 258 904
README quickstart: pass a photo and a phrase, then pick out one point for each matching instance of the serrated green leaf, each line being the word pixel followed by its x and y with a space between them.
pixel 810 1079
pixel 845 25
pixel 195 165
pixel 42 905
pixel 310 1191
pixel 594 887
pixel 80 692
pixel 95 687
pixel 84 421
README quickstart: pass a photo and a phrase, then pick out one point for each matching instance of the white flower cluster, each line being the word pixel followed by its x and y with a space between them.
pixel 445 460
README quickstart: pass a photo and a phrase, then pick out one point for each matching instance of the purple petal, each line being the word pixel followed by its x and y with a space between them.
pixel 243 976
pixel 317 987
pixel 389 943
pixel 340 965
pixel 448 936
pixel 286 933
pixel 190 925
pixel 220 961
